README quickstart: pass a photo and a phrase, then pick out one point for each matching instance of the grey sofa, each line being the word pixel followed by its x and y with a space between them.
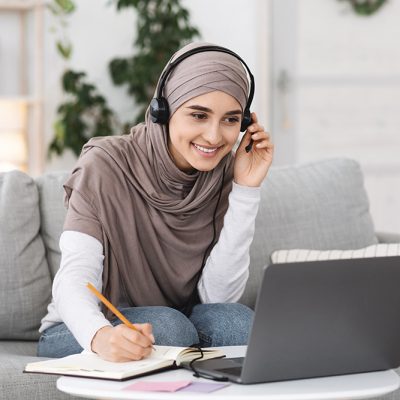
pixel 320 205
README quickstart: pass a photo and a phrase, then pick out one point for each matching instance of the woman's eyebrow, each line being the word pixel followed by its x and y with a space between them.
pixel 206 109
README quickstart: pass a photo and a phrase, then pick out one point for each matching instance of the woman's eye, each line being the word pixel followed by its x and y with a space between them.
pixel 233 120
pixel 199 116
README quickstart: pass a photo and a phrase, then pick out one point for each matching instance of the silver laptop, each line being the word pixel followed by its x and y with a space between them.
pixel 320 318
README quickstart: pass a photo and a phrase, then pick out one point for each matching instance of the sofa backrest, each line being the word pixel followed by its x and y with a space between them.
pixel 319 205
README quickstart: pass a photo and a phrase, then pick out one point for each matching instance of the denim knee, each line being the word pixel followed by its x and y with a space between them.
pixel 58 341
pixel 170 327
pixel 222 324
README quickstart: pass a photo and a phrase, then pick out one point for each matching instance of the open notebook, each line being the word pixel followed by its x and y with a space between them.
pixel 88 364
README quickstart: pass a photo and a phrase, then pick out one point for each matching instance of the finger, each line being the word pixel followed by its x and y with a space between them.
pixel 131 351
pixel 254 117
pixel 136 340
pixel 122 349
pixel 255 128
pixel 265 145
pixel 137 337
pixel 260 136
pixel 146 329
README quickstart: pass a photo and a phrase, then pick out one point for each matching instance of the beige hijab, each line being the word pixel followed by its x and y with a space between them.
pixel 154 221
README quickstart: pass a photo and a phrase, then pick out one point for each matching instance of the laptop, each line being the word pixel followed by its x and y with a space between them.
pixel 320 318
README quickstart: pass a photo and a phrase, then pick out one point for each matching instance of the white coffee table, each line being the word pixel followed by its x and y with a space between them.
pixel 355 386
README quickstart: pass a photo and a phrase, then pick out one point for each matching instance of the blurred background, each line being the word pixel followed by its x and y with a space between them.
pixel 327 77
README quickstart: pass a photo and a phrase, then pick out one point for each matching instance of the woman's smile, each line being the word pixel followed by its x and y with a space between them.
pixel 204 151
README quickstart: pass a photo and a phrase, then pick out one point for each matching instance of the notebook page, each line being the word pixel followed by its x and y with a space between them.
pixel 92 362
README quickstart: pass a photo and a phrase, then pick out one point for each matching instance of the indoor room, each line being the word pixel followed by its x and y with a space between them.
pixel 199 174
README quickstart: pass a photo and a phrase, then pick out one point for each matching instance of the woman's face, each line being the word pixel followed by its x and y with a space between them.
pixel 203 130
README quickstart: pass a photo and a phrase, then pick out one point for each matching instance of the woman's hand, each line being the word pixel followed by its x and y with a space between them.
pixel 120 343
pixel 251 168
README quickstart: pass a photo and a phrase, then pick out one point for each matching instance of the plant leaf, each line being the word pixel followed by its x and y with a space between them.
pixel 64 49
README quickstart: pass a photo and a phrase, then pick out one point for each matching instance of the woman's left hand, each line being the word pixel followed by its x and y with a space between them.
pixel 251 168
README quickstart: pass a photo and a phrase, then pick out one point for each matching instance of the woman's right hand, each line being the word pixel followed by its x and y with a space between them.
pixel 120 343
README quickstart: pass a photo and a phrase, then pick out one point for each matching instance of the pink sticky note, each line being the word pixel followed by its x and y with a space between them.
pixel 204 387
pixel 149 386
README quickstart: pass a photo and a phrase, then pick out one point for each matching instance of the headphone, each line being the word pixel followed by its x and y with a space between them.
pixel 159 109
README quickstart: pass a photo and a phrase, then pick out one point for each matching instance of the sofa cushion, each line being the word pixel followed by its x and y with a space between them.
pixel 18 347
pixel 14 384
pixel 319 205
pixel 25 284
pixel 52 214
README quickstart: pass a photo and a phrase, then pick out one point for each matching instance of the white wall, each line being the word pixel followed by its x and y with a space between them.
pixel 343 95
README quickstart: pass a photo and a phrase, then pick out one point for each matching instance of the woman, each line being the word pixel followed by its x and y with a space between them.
pixel 161 221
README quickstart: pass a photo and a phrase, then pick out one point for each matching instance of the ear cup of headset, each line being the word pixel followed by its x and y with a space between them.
pixel 159 110
pixel 246 122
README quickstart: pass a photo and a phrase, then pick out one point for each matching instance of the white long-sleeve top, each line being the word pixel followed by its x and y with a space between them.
pixel 223 278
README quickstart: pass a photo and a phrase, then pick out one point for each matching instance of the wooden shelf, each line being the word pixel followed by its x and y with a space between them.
pixel 34 100
pixel 16 5
pixel 25 99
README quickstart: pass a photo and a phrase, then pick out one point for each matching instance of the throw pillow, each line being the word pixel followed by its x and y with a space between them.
pixel 25 285
pixel 298 255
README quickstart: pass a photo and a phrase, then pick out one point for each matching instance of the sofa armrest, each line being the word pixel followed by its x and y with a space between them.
pixel 388 237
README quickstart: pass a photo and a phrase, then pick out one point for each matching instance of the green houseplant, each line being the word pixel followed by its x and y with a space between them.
pixel 84 115
pixel 163 27
pixel 366 7
pixel 85 112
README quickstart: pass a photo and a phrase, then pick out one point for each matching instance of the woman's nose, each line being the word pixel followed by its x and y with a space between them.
pixel 212 133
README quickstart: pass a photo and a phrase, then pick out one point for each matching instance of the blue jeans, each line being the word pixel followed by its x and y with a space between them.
pixel 211 325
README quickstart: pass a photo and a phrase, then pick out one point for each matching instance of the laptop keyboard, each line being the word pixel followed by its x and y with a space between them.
pixel 239 360
pixel 235 371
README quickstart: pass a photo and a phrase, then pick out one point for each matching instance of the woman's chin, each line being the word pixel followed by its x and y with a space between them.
pixel 205 166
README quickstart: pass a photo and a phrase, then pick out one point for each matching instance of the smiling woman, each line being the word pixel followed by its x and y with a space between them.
pixel 161 220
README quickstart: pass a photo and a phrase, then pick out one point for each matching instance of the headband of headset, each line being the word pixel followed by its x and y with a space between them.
pixel 159 109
